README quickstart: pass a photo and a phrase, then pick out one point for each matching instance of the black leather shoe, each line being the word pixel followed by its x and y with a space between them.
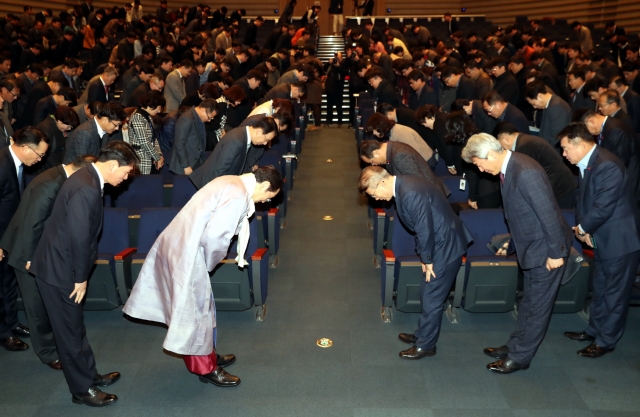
pixel 416 353
pixel 106 379
pixel 14 344
pixel 225 360
pixel 593 351
pixel 94 398
pixel 506 366
pixel 55 365
pixel 497 352
pixel 579 336
pixel 21 331
pixel 407 338
pixel 220 378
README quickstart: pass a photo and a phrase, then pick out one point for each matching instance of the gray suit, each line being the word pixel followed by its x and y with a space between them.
pixel 174 91
pixel 554 118
pixel 228 158
pixel 84 140
pixel 189 144
pixel 538 231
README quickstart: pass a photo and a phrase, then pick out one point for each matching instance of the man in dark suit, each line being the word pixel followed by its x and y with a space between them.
pixel 504 82
pixel 190 140
pixel 556 113
pixel 454 77
pixel 609 222
pixel 576 80
pixel 441 240
pixel 382 90
pixel 19 243
pixel 609 103
pixel 98 89
pixel 407 117
pixel 251 32
pixel 47 106
pixel 420 93
pixel 630 97
pixel 287 91
pixel 61 275
pixel 618 138
pixel 92 135
pixel 561 179
pixel 478 114
pixel 541 238
pixel 230 156
pixel 501 110
pixel 28 147
pixel 38 92
pixel 400 159
pixel 452 24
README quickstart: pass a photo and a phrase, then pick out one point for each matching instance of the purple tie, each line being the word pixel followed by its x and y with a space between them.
pixel 501 178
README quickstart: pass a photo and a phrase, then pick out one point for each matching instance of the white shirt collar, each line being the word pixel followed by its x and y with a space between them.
pixel 393 185
pixel 16 161
pixel 248 139
pixel 584 162
pixel 99 176
pixel 100 131
pixel 503 170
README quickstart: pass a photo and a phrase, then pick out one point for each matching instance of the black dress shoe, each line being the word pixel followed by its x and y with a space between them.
pixel 593 351
pixel 21 331
pixel 579 336
pixel 55 365
pixel 417 353
pixel 506 366
pixel 225 360
pixel 220 378
pixel 14 344
pixel 94 398
pixel 106 379
pixel 408 338
pixel 498 352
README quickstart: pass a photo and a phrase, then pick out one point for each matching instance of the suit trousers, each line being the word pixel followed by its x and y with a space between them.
pixel 41 333
pixel 67 322
pixel 434 294
pixel 8 297
pixel 612 284
pixel 334 108
pixel 534 312
pixel 201 364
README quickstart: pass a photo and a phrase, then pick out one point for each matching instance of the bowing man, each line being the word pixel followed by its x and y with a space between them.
pixel 63 261
pixel 541 237
pixel 441 240
pixel 609 222
pixel 173 286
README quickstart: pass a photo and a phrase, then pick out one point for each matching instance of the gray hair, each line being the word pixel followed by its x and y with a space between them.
pixel 370 178
pixel 479 145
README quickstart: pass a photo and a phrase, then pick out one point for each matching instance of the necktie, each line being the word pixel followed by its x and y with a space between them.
pixel 106 92
pixel 501 178
pixel 600 139
pixel 20 177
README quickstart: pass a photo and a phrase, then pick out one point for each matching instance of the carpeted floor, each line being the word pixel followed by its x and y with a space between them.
pixel 326 286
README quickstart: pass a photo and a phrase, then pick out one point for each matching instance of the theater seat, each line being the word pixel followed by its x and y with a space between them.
pixel 490 284
pixel 102 291
pixel 183 190
pixel 239 289
pixel 138 192
pixel 453 184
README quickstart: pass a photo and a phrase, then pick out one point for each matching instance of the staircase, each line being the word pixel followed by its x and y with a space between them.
pixel 327 47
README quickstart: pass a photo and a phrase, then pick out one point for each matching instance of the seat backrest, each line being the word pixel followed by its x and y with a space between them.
pixel 441 169
pixel 252 246
pixel 140 191
pixel 153 221
pixel 183 190
pixel 403 241
pixel 453 184
pixel 483 224
pixel 114 236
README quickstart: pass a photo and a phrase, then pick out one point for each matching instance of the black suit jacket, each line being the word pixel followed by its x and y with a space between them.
pixel 26 227
pixel 427 96
pixel 68 247
pixel 507 86
pixel 633 107
pixel 623 117
pixel 514 115
pixel 57 145
pixel 84 140
pixel 386 93
pixel 282 90
pixel 228 158
pixel 538 229
pixel 96 92
pixel 44 108
pixel 619 139
pixel 37 93
pixel 255 152
pixel 606 208
pixel 440 235
pixel 402 159
pixel 560 176
pixel 9 188
pixel 250 34
pixel 466 89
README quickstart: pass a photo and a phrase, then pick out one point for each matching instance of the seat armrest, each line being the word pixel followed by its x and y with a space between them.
pixel 256 259
pixel 123 272
pixel 388 269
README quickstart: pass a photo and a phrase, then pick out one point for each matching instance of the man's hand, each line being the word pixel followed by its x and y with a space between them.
pixel 160 163
pixel 554 263
pixel 254 168
pixel 587 239
pixel 452 170
pixel 28 265
pixel 79 291
pixel 582 237
pixel 503 250
pixel 1 254
pixel 188 171
pixel 473 204
pixel 428 270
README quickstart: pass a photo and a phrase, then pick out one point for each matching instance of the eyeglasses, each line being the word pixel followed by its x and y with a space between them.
pixel 40 156
pixel 490 109
pixel 15 95
pixel 117 126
